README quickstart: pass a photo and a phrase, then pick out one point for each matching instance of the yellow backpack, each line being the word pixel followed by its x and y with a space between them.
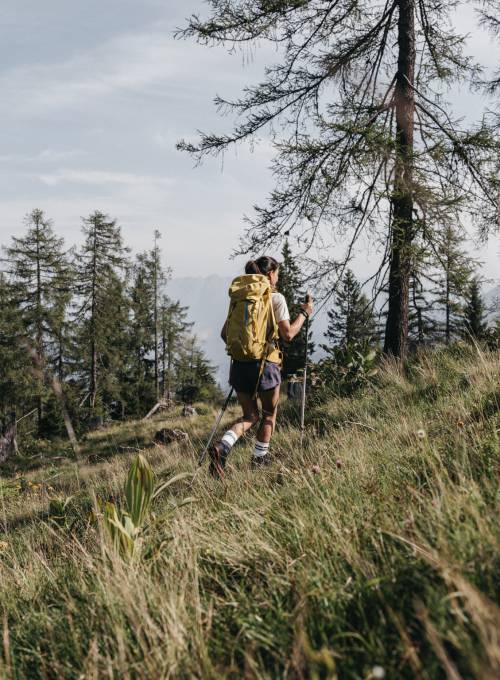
pixel 251 329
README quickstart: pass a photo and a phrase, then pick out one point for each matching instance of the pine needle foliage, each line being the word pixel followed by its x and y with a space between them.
pixel 366 145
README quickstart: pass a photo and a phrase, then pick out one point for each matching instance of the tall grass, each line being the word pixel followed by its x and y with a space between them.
pixel 371 551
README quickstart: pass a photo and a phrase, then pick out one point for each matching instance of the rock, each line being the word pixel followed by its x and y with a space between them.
pixel 189 411
pixel 167 436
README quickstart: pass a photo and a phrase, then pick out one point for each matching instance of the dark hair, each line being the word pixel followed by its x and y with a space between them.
pixel 262 265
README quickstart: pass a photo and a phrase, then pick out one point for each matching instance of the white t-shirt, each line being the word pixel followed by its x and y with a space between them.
pixel 280 308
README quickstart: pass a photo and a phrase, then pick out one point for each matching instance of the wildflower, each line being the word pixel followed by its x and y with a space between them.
pixel 421 434
pixel 3 546
pixel 338 463
pixel 316 469
pixel 460 423
pixel 378 672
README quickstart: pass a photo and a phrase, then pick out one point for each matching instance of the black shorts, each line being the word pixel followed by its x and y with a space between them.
pixel 245 374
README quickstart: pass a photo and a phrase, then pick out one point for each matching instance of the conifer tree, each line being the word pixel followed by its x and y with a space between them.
pixel 194 373
pixel 452 281
pixel 17 383
pixel 422 323
pixel 40 276
pixel 351 318
pixel 158 282
pixel 101 301
pixel 148 281
pixel 290 285
pixel 364 140
pixel 173 328
pixel 474 316
pixel 141 336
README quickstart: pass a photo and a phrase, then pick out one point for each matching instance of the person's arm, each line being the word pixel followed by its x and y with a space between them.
pixel 288 330
pixel 223 332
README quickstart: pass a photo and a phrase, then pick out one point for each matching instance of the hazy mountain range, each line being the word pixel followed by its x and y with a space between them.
pixel 207 299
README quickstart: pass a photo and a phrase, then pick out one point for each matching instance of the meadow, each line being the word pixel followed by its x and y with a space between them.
pixel 368 550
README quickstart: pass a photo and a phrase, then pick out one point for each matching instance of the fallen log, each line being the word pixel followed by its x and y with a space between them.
pixel 162 404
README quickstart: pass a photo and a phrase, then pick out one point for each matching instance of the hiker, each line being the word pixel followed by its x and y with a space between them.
pixel 258 317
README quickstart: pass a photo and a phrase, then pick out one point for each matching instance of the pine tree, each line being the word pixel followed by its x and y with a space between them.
pixel 146 293
pixel 194 373
pixel 351 319
pixel 18 385
pixel 173 328
pixel 159 277
pixel 101 302
pixel 141 386
pixel 454 271
pixel 40 278
pixel 365 145
pixel 290 285
pixel 422 323
pixel 474 315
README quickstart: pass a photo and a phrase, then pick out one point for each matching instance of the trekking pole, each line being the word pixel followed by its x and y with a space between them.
pixel 217 423
pixel 304 383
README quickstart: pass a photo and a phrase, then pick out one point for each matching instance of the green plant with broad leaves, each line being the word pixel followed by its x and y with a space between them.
pixel 127 528
pixel 348 367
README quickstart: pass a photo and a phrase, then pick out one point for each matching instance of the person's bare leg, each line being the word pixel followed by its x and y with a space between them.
pixel 269 400
pixel 250 415
pixel 221 449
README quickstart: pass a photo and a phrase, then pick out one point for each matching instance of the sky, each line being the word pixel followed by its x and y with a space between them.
pixel 95 96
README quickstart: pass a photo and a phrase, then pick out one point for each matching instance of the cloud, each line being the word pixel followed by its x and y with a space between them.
pixel 44 156
pixel 130 62
pixel 66 175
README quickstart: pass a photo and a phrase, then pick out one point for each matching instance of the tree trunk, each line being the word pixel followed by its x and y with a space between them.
pixel 447 331
pixel 39 329
pixel 8 443
pixel 396 336
pixel 93 376
pixel 93 328
pixel 163 357
pixel 155 318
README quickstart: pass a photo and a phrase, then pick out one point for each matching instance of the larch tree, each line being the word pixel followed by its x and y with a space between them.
pixel 365 143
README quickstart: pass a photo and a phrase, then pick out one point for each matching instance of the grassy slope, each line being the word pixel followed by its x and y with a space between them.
pixel 388 557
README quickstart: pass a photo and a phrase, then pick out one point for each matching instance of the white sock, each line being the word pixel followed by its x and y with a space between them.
pixel 261 449
pixel 229 439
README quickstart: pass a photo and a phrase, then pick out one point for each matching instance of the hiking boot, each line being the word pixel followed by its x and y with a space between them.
pixel 260 461
pixel 218 455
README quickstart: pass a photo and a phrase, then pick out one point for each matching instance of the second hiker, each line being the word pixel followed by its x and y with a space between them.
pixel 258 317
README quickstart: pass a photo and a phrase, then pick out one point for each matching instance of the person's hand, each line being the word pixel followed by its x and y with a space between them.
pixel 308 306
